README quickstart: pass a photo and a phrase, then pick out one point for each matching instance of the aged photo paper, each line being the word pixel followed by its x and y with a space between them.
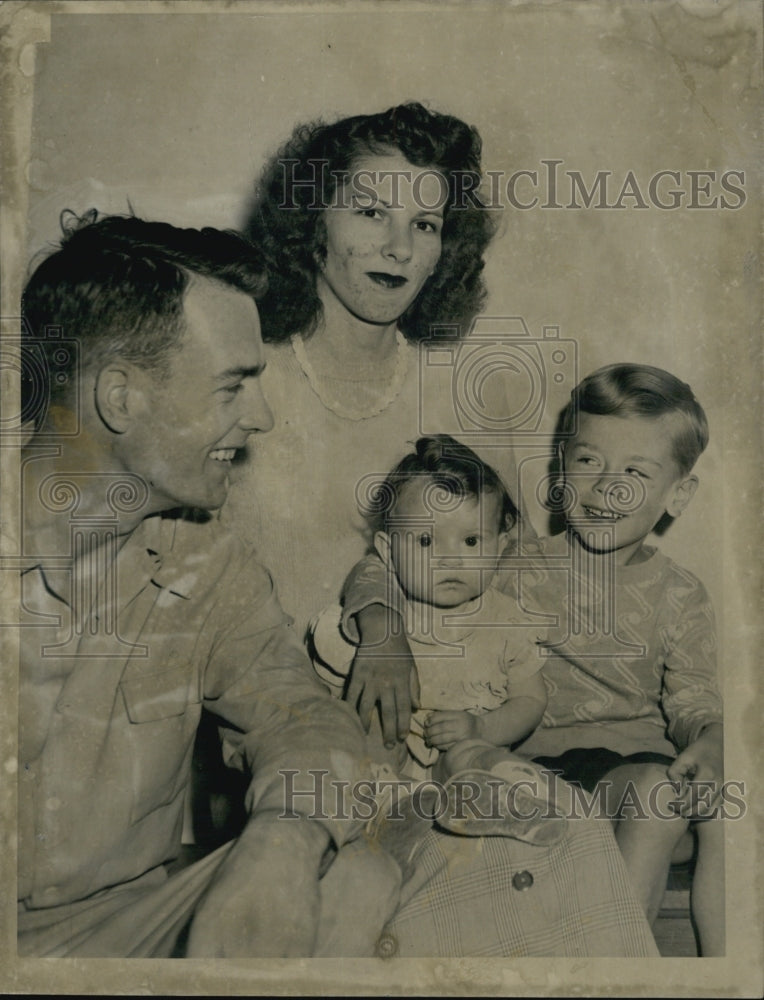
pixel 622 146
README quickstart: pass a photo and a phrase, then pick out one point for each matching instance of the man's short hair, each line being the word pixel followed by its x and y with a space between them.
pixel 116 285
pixel 624 390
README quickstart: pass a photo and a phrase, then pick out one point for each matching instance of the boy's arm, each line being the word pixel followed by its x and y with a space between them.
pixel 700 771
pixel 383 671
pixel 503 726
pixel 693 705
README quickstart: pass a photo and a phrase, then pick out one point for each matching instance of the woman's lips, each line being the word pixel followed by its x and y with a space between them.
pixel 387 280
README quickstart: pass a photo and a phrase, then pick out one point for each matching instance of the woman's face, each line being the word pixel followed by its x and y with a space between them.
pixel 383 237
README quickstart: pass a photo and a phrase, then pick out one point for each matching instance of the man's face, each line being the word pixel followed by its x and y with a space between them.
pixel 190 426
pixel 623 477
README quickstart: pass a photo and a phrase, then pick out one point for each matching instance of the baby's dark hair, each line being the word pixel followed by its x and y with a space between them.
pixel 624 390
pixel 453 468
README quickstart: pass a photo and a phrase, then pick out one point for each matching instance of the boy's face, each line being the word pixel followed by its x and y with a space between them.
pixel 444 548
pixel 623 478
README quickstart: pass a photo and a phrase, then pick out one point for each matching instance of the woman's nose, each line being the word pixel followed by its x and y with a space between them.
pixel 399 244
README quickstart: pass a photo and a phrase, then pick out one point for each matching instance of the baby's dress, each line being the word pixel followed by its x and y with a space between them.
pixel 467 659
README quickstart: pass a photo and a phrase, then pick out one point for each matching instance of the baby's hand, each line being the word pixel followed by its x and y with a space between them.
pixel 700 771
pixel 443 729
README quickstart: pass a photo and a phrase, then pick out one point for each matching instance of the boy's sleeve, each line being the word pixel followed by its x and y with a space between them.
pixel 691 698
pixel 521 656
pixel 369 582
pixel 303 748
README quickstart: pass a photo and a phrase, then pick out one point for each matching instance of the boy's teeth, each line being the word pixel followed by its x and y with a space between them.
pixel 223 454
pixel 610 515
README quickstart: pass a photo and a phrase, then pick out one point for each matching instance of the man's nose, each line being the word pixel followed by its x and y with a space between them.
pixel 256 415
pixel 399 244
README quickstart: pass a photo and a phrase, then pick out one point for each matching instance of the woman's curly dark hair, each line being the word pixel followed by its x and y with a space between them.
pixel 286 222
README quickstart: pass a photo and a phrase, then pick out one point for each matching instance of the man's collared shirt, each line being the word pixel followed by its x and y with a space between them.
pixel 114 676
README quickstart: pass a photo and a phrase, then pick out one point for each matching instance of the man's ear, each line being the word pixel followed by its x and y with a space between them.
pixel 116 396
pixel 383 546
pixel 681 494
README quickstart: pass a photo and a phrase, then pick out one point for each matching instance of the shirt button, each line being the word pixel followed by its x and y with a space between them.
pixel 387 946
pixel 522 880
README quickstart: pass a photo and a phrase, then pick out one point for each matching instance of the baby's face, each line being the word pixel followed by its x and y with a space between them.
pixel 444 548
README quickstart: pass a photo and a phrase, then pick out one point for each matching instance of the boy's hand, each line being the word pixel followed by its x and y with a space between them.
pixel 383 673
pixel 443 729
pixel 700 771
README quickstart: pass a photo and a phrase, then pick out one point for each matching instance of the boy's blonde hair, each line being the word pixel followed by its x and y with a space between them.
pixel 624 390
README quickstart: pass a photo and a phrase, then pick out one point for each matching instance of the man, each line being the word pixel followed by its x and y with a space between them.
pixel 138 609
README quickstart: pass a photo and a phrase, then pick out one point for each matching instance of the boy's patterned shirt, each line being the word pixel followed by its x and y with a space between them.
pixel 632 650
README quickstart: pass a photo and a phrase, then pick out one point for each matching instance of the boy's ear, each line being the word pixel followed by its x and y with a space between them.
pixel 118 396
pixel 383 546
pixel 681 495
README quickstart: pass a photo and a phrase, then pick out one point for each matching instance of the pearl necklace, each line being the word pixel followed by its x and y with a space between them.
pixel 340 408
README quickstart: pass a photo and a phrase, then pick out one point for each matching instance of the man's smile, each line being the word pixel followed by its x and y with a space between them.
pixel 223 454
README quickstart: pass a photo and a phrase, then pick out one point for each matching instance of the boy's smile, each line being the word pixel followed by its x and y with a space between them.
pixel 622 477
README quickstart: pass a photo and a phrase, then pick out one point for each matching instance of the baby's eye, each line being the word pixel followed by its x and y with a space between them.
pixel 425 541
pixel 472 541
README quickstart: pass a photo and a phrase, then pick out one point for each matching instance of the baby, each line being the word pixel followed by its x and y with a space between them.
pixel 443 517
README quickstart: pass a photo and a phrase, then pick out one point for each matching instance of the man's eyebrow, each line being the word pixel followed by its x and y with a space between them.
pixel 251 371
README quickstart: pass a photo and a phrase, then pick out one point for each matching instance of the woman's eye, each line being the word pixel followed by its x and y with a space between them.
pixel 472 541
pixel 370 213
pixel 427 227
pixel 425 541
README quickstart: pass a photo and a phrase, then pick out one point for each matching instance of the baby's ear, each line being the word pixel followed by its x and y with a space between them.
pixel 383 547
pixel 683 492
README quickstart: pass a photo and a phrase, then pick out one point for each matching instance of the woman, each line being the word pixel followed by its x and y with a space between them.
pixel 376 236
pixel 368 253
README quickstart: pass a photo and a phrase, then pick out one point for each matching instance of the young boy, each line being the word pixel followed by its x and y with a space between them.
pixel 443 517
pixel 631 671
